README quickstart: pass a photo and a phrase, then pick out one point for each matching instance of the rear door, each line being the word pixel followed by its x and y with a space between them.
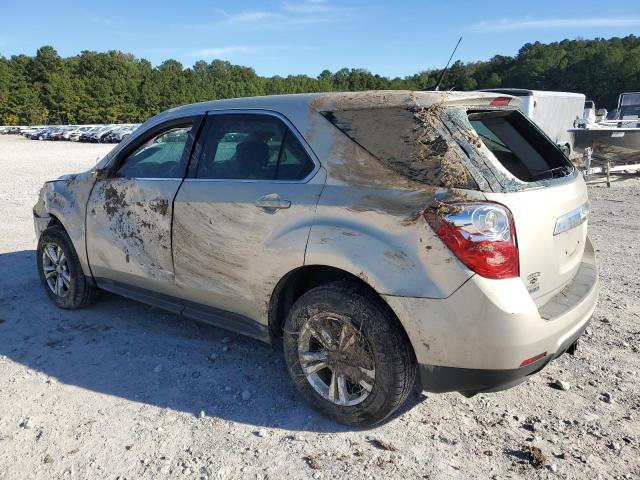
pixel 243 215
pixel 129 212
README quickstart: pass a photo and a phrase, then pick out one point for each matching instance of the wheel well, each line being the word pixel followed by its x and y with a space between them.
pixel 54 221
pixel 296 283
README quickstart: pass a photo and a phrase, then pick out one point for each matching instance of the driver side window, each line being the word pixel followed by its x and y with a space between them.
pixel 162 156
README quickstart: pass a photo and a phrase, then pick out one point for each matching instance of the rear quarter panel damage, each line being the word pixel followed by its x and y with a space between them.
pixel 369 219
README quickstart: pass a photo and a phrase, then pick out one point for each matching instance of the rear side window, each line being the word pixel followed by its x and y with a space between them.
pixel 251 147
pixel 519 145
pixel 412 142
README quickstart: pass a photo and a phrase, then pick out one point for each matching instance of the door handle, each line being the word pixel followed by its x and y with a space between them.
pixel 272 201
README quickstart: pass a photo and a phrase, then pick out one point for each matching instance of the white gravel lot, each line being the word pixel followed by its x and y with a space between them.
pixel 116 390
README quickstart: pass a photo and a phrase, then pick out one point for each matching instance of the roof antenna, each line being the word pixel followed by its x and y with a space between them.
pixel 436 87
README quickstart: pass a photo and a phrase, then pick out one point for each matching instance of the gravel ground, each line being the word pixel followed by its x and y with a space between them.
pixel 122 390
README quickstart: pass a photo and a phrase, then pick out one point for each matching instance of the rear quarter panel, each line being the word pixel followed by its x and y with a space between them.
pixel 369 222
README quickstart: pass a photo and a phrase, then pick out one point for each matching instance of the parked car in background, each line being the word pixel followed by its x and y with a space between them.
pixel 381 235
pixel 117 134
pixel 43 134
pixel 75 133
pixel 88 136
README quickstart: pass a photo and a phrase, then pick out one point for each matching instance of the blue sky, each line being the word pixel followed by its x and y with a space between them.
pixel 306 36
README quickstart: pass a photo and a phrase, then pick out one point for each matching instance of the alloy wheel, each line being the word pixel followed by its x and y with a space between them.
pixel 336 359
pixel 56 269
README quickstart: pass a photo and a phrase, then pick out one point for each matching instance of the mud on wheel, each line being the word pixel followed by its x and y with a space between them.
pixel 347 354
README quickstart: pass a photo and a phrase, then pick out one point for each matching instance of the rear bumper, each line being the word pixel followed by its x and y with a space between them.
pixel 471 381
pixel 478 338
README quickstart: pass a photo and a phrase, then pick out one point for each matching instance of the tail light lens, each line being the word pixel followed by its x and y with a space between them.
pixel 500 102
pixel 482 235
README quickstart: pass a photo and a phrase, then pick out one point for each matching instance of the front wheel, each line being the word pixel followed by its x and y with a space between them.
pixel 60 270
pixel 348 355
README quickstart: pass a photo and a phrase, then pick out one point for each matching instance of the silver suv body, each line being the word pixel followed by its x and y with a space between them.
pixel 379 233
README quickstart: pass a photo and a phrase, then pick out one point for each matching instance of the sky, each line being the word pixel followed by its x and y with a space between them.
pixel 284 37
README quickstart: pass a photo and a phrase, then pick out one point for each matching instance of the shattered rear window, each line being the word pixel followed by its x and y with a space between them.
pixel 519 145
pixel 413 142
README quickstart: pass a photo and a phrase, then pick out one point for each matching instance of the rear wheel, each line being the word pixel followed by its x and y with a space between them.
pixel 60 270
pixel 348 355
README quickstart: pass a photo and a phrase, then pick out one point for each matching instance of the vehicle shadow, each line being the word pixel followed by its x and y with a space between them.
pixel 127 349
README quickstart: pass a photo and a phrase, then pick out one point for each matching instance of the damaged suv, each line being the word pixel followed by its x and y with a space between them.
pixel 386 237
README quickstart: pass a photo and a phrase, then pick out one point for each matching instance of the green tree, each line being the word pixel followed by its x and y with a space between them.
pixel 113 86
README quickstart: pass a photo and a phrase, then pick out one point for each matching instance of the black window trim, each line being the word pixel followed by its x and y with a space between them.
pixel 193 166
pixel 196 122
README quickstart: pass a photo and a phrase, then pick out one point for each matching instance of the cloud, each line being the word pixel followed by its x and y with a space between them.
pixel 225 52
pixel 309 6
pixel 289 13
pixel 102 21
pixel 222 52
pixel 247 17
pixel 511 25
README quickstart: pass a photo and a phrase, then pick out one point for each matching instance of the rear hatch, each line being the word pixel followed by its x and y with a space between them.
pixel 547 197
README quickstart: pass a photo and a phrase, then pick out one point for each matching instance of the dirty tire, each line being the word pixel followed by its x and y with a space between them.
pixel 395 364
pixel 81 293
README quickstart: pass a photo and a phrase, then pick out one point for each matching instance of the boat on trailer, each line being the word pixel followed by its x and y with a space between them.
pixel 617 140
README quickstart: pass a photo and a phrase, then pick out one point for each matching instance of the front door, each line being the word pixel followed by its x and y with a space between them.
pixel 129 213
pixel 242 218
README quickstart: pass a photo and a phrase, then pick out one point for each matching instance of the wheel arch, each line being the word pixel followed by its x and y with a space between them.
pixel 299 281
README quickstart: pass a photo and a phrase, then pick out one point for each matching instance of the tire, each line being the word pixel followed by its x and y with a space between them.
pixel 380 342
pixel 75 290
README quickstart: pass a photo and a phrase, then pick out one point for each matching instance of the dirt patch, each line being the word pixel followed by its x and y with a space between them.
pixel 114 201
pixel 398 259
pixel 438 160
pixel 535 456
pixel 408 137
pixel 382 444
pixel 160 206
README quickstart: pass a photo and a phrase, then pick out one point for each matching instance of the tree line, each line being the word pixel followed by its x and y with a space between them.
pixel 114 87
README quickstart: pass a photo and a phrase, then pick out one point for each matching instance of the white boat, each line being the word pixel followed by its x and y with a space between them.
pixel 616 141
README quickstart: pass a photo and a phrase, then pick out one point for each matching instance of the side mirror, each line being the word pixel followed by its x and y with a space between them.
pixel 100 173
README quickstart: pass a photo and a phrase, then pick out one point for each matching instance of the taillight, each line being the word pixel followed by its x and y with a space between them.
pixel 500 101
pixel 482 235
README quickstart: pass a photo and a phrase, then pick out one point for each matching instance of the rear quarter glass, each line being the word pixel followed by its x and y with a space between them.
pixel 414 142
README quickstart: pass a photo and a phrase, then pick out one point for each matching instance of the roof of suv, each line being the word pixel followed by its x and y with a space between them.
pixel 296 107
pixel 327 100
